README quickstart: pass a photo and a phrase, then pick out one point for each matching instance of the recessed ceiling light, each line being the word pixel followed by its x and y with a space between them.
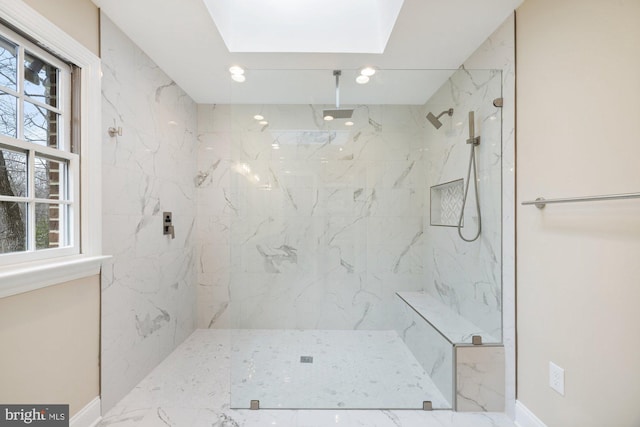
pixel 263 122
pixel 348 123
pixel 328 118
pixel 368 71
pixel 258 117
pixel 362 79
pixel 236 70
pixel 238 78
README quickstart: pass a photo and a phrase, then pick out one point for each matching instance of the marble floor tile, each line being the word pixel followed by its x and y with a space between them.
pixel 266 366
pixel 191 387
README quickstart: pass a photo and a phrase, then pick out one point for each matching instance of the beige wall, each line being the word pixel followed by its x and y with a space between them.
pixel 50 338
pixel 78 18
pixel 578 265
pixel 50 345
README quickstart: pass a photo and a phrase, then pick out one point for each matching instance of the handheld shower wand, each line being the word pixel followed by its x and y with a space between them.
pixel 474 141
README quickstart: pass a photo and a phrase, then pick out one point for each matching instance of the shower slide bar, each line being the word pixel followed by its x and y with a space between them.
pixel 541 202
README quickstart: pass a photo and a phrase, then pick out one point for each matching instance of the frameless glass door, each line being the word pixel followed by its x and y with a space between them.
pixel 329 219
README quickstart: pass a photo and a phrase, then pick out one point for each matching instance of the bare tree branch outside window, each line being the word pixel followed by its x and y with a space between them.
pixel 39 125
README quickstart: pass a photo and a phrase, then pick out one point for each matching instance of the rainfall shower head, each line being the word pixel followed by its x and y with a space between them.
pixel 435 121
pixel 337 113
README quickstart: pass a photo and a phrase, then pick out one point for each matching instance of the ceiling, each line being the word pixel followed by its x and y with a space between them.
pixel 182 38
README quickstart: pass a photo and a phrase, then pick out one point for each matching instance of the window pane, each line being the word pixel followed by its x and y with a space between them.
pixel 50 225
pixel 13 231
pixel 40 80
pixel 40 125
pixel 13 173
pixel 50 175
pixel 8 64
pixel 8 115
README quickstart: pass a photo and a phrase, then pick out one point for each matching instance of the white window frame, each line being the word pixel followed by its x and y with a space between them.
pixel 27 276
pixel 33 150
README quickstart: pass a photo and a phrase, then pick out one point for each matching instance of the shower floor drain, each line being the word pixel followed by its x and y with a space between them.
pixel 306 359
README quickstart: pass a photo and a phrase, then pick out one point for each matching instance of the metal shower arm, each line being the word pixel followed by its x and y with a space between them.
pixel 337 73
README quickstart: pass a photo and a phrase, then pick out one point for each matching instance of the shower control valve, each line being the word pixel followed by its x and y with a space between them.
pixel 167 225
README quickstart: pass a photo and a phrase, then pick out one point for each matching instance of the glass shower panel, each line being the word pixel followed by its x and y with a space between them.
pixel 328 221
pixel 466 278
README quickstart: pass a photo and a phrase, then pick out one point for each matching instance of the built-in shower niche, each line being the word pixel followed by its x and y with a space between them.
pixel 446 203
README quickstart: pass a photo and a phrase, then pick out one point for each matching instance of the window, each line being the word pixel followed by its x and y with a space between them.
pixel 39 172
pixel 81 189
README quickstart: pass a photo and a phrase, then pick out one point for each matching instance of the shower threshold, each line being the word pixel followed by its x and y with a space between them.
pixel 328 369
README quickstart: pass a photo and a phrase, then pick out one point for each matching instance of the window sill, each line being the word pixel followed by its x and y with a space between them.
pixel 29 276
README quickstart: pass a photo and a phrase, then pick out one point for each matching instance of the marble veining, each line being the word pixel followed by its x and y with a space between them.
pixel 455 328
pixel 432 351
pixel 148 289
pixel 350 370
pixel 480 375
pixel 191 388
pixel 467 276
pixel 321 224
pixel 498 52
pixel 334 197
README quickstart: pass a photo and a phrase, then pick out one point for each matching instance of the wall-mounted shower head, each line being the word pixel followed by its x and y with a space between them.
pixel 435 121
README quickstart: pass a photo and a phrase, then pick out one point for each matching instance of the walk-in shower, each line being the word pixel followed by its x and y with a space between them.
pixel 331 263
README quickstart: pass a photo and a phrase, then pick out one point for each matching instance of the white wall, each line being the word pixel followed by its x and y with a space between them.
pixel 578 268
pixel 148 292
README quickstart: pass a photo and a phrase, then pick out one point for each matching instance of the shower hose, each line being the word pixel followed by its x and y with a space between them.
pixel 472 163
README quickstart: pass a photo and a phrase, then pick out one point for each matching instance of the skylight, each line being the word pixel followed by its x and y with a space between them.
pixel 309 26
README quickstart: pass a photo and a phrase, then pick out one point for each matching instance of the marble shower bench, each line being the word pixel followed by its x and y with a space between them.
pixel 471 376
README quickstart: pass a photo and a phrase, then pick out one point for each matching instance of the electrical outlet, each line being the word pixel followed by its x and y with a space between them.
pixel 556 378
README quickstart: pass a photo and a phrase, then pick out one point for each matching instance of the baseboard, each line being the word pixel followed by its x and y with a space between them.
pixel 89 416
pixel 526 418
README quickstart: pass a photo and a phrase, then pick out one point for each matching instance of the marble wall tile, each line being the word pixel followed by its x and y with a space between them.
pixel 304 198
pixel 467 276
pixel 480 375
pixel 431 350
pixel 216 205
pixel 315 225
pixel 499 52
pixel 148 291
